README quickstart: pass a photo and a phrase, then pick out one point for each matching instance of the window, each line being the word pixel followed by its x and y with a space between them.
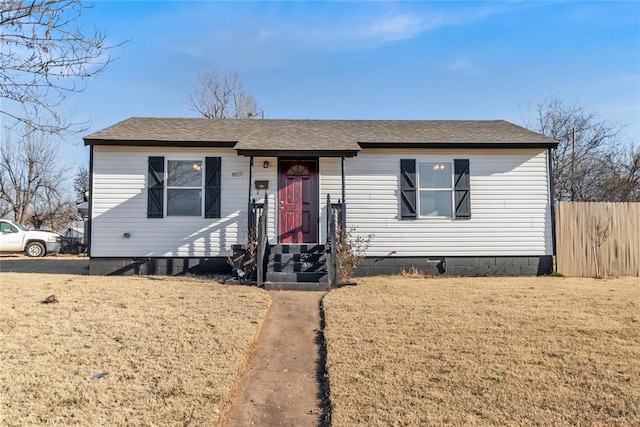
pixel 180 191
pixel 434 189
pixel 5 227
pixel 184 187
pixel 435 186
pixel 20 226
pixel 298 170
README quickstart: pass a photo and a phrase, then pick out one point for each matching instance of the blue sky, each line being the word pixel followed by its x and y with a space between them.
pixel 368 60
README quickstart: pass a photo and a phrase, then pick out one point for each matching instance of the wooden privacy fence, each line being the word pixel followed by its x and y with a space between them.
pixel 576 223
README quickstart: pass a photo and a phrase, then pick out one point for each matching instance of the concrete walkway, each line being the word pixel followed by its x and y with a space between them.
pixel 285 383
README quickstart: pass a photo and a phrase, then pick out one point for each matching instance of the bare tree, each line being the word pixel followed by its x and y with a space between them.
pixel 32 178
pixel 222 97
pixel 81 184
pixel 51 210
pixel 584 141
pixel 620 171
pixel 599 233
pixel 5 208
pixel 45 57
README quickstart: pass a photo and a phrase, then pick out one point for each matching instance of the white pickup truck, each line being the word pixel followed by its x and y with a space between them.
pixel 16 237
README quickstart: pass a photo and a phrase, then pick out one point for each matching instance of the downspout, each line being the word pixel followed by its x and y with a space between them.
pixel 88 225
pixel 552 201
pixel 250 220
pixel 344 199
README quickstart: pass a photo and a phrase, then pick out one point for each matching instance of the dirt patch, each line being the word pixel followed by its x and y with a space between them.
pixel 59 264
pixel 122 350
pixel 499 351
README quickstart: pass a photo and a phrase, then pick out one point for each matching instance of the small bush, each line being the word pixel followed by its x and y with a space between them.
pixel 411 273
pixel 351 250
pixel 414 272
pixel 555 274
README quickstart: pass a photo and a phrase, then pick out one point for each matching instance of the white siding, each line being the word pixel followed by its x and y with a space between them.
pixel 120 206
pixel 509 205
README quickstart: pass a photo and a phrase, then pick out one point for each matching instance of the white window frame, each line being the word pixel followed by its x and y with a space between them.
pixel 450 190
pixel 167 187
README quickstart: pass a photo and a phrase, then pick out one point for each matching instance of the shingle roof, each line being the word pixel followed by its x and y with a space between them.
pixel 316 135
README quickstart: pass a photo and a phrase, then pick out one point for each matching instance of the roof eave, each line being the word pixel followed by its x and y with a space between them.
pixel 158 143
pixel 296 153
pixel 550 144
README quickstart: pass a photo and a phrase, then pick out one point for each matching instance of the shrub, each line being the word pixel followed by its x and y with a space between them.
pixel 351 250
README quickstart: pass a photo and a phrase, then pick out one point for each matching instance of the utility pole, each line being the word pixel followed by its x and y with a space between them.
pixel 573 167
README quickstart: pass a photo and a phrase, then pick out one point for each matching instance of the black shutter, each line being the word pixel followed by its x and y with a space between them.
pixel 462 188
pixel 408 189
pixel 155 183
pixel 212 187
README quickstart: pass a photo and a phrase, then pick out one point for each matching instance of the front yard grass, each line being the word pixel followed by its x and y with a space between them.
pixel 479 351
pixel 122 350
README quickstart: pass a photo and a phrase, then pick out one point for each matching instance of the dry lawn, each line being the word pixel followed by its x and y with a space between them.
pixel 478 351
pixel 172 349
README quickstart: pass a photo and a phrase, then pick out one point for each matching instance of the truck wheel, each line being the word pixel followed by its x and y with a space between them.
pixel 34 249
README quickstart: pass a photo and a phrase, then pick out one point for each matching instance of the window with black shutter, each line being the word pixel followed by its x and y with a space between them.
pixel 184 187
pixel 435 189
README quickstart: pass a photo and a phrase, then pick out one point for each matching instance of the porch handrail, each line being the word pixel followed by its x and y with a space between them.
pixel 332 247
pixel 255 212
pixel 262 241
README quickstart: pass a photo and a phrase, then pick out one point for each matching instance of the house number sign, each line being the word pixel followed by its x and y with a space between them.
pixel 237 174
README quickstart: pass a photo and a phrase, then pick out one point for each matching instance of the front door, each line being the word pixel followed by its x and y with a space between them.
pixel 298 201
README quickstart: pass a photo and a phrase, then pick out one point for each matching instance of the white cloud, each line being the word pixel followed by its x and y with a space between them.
pixel 463 66
pixel 246 36
pixel 394 28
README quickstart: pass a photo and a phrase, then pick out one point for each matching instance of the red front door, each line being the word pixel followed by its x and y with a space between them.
pixel 298 200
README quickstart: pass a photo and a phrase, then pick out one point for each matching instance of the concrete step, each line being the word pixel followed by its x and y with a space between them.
pixel 306 257
pixel 297 267
pixel 296 249
pixel 303 263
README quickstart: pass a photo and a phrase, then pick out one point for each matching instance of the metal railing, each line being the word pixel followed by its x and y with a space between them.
pixel 254 214
pixel 262 239
pixel 336 220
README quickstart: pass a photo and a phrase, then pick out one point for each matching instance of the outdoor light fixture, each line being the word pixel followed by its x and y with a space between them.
pixel 265 164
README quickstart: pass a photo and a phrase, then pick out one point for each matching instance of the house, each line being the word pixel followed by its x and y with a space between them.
pixel 171 195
